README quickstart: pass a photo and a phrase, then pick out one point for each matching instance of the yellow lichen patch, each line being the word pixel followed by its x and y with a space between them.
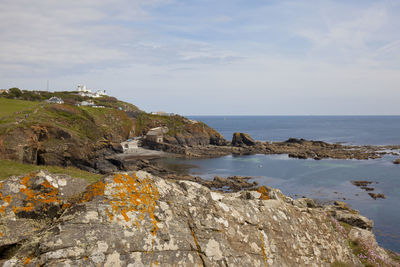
pixel 134 195
pixel 263 249
pixel 1 234
pixel 96 189
pixel 264 192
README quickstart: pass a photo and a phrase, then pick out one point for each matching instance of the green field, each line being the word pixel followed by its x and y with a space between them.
pixel 9 168
pixel 10 106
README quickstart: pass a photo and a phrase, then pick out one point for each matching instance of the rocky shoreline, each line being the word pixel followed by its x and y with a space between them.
pixel 137 219
pixel 243 144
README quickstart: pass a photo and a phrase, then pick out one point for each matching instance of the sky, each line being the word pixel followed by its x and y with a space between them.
pixel 210 57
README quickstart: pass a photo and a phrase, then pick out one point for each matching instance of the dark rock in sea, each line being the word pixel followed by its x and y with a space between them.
pixel 233 183
pixel 375 196
pixel 397 161
pixel 240 139
pixel 361 183
pixel 366 188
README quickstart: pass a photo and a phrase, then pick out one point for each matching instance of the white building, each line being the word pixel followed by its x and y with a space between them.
pixel 55 100
pixel 130 145
pixel 83 91
pixel 156 135
pixel 82 88
pixel 162 113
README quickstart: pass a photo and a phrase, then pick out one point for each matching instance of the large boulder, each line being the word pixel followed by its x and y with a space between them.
pixel 141 220
pixel 240 139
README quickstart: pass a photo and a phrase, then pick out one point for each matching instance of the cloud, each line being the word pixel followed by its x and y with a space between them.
pixel 59 36
pixel 262 57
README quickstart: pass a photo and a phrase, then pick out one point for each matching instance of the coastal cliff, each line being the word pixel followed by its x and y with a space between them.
pixel 86 137
pixel 136 219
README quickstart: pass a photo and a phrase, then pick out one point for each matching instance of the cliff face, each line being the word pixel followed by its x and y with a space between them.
pixel 67 135
pixel 141 220
pixel 63 135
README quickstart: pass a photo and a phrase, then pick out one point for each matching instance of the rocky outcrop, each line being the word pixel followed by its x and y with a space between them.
pixel 142 220
pixel 397 161
pixel 295 148
pixel 240 139
pixel 341 212
pixel 182 131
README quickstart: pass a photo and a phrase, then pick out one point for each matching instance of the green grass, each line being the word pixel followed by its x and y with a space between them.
pixel 346 226
pixel 145 121
pixel 10 106
pixel 9 168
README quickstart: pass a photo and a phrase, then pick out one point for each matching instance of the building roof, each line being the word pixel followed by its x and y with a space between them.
pixel 158 131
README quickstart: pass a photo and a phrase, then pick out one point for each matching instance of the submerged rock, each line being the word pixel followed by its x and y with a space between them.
pixel 137 219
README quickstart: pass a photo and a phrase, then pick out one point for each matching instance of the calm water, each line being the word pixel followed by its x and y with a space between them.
pixel 325 179
pixel 374 130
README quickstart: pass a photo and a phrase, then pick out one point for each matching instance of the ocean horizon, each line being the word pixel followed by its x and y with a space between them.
pixel 347 129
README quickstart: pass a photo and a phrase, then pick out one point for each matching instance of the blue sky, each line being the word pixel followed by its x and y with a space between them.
pixel 227 57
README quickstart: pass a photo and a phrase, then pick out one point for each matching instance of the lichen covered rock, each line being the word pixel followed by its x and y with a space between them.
pixel 137 219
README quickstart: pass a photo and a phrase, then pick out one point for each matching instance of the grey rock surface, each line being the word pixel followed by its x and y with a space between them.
pixel 142 220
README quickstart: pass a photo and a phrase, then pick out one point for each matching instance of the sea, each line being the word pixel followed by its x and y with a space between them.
pixel 326 180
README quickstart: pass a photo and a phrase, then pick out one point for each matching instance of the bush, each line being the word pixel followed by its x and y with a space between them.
pixel 14 92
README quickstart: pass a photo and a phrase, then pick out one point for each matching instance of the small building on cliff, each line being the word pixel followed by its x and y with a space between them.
pixel 156 135
pixel 130 145
pixel 55 100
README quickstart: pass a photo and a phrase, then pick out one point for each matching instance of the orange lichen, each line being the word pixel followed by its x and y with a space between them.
pixel 96 189
pixel 65 206
pixel 134 195
pixel 264 192
pixel 31 198
pixel 27 260
pixel 1 234
pixel 6 199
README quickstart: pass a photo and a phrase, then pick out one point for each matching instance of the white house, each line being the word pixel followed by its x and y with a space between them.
pixel 100 93
pixel 55 100
pixel 83 91
pixel 86 103
pixel 130 145
pixel 82 88
pixel 162 113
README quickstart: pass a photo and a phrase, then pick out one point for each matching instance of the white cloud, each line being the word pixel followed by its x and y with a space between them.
pixel 283 57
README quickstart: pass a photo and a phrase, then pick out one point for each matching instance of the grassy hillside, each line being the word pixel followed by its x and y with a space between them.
pixel 10 106
pixel 9 168
pixel 86 122
pixel 69 97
